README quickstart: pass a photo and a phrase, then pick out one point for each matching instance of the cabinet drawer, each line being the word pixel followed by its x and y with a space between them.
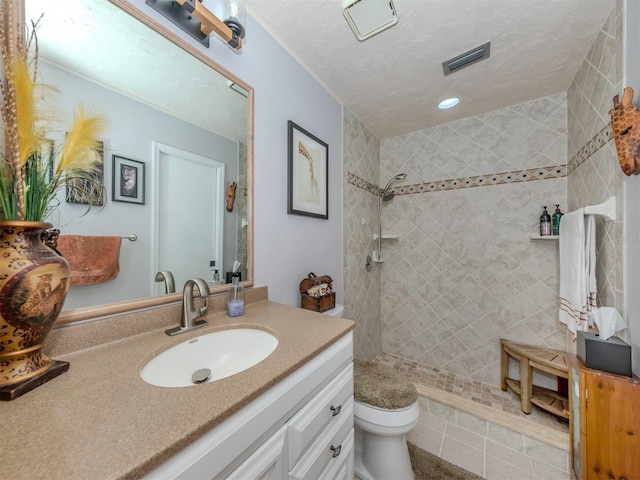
pixel 327 449
pixel 341 467
pixel 323 410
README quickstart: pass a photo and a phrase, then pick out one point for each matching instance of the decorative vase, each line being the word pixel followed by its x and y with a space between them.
pixel 33 286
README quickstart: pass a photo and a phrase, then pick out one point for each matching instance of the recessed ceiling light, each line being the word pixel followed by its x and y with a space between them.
pixel 448 103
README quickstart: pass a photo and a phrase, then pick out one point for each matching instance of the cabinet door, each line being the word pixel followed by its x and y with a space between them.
pixel 612 427
pixel 266 463
pixel 575 398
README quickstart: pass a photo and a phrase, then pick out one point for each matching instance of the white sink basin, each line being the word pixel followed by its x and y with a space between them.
pixel 209 357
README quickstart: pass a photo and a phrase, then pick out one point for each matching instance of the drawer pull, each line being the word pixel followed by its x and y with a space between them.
pixel 336 410
pixel 336 450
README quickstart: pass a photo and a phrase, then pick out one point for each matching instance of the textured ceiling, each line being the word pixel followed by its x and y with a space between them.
pixel 394 81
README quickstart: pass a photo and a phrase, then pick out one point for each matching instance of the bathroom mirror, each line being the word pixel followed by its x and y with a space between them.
pixel 155 89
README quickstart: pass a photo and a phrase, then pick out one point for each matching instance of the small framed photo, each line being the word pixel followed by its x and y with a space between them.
pixel 308 174
pixel 128 180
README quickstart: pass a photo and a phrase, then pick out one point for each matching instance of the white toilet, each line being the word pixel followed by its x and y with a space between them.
pixel 385 409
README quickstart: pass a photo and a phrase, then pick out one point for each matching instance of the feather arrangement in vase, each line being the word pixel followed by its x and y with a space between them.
pixel 34 278
pixel 30 177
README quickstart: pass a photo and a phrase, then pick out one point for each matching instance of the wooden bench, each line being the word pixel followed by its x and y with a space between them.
pixel 539 358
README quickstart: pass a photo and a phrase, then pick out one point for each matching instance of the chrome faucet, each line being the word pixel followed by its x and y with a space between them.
pixel 167 277
pixel 190 318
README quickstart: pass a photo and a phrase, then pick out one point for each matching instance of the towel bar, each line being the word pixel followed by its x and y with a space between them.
pixel 606 209
pixel 132 238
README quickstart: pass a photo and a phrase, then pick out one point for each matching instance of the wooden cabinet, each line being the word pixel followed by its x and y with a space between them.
pixel 605 424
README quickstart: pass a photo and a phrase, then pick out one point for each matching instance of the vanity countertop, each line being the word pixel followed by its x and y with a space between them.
pixel 101 420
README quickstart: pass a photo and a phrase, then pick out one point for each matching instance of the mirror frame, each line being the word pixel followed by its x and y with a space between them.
pixel 127 306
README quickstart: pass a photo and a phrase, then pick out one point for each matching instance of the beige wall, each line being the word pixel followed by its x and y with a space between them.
pixel 362 289
pixel 593 170
pixel 464 272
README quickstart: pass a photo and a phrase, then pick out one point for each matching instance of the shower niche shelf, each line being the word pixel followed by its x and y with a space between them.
pixel 544 237
pixel 386 236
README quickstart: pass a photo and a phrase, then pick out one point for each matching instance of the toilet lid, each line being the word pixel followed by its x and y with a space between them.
pixel 381 387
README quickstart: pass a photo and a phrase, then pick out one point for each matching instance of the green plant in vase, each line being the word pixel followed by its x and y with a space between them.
pixel 33 277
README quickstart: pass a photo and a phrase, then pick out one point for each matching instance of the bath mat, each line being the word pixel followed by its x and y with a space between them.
pixel 427 466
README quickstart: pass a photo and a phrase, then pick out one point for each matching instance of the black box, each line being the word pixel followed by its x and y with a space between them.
pixel 612 355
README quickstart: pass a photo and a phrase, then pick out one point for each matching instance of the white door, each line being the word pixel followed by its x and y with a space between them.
pixel 188 214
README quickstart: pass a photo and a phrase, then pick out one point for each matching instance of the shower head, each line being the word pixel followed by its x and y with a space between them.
pixel 387 194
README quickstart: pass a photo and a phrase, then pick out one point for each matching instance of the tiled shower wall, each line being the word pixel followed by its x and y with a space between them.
pixel 464 271
pixel 592 178
pixel 362 289
pixel 242 202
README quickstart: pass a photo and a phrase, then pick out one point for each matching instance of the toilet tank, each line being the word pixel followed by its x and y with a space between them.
pixel 337 311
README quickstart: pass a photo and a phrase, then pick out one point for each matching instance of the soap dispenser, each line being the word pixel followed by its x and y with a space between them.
pixel 235 301
pixel 555 221
pixel 545 223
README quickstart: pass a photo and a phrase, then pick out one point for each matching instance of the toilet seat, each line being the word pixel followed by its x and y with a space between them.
pixel 387 418
pixel 381 387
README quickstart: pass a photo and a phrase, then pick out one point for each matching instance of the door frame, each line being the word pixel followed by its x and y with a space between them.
pixel 159 149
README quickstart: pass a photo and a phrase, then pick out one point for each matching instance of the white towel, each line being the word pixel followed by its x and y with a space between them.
pixel 578 287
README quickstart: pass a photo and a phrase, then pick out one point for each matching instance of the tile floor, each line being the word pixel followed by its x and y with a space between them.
pixel 483 393
pixel 480 446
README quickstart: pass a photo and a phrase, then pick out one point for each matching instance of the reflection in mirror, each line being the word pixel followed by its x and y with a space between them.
pixel 178 132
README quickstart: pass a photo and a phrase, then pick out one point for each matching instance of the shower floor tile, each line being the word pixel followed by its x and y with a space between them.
pixel 483 393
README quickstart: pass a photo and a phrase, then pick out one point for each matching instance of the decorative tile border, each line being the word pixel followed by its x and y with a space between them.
pixel 591 147
pixel 599 140
pixel 353 179
pixel 515 176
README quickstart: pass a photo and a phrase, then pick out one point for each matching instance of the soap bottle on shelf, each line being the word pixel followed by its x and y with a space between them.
pixel 212 267
pixel 235 301
pixel 555 221
pixel 545 223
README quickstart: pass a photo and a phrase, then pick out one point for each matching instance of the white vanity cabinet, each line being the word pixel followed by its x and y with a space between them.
pixel 302 428
pixel 269 461
pixel 319 432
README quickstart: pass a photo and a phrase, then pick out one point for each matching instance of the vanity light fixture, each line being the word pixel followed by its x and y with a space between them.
pixel 200 22
pixel 368 17
pixel 448 103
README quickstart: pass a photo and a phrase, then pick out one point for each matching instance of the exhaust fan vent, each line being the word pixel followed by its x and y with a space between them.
pixel 468 58
pixel 369 17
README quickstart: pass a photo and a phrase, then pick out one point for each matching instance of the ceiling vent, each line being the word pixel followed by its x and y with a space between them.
pixel 468 58
pixel 368 17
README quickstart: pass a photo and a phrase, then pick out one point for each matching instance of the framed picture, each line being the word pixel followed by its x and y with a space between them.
pixel 128 180
pixel 88 191
pixel 308 174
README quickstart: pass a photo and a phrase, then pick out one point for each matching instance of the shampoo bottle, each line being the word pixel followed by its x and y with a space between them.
pixel 555 221
pixel 235 302
pixel 545 223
